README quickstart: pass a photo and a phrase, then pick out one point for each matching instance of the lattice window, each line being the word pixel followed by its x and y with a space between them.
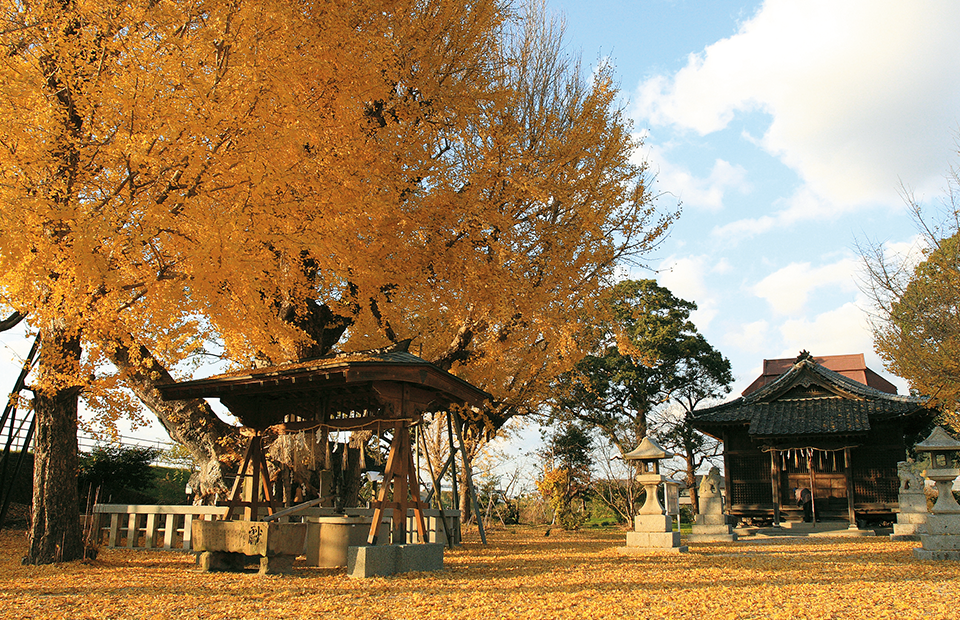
pixel 875 479
pixel 750 478
pixel 751 493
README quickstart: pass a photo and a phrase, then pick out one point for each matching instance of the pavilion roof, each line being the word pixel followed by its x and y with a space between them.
pixel 313 388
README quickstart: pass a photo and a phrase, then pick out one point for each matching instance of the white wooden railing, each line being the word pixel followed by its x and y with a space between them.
pixel 169 527
pixel 149 526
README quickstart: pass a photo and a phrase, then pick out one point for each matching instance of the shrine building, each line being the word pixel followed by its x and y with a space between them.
pixel 829 424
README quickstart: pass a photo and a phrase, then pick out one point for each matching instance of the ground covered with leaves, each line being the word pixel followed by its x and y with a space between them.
pixel 520 574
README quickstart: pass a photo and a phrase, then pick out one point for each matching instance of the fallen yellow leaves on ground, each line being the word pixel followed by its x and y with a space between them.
pixel 520 574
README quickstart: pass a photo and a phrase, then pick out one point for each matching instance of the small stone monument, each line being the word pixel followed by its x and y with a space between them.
pixel 912 515
pixel 653 527
pixel 941 540
pixel 711 524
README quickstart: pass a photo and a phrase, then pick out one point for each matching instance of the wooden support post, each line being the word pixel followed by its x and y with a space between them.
pixel 775 482
pixel 851 491
pixel 439 480
pixel 259 480
pixel 401 476
pixel 466 470
pixel 727 478
pixel 436 487
pixel 453 463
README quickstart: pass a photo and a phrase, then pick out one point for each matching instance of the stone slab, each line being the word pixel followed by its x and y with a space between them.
pixel 708 538
pixel 659 540
pixel 420 557
pixel 711 529
pixel 930 554
pixel 913 502
pixel 372 561
pixel 710 520
pixel 652 550
pixel 276 564
pixel 943 524
pixel 711 505
pixel 912 518
pixel 385 560
pixel 944 542
pixel 653 523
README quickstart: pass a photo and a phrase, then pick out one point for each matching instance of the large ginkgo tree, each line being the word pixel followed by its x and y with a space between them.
pixel 282 177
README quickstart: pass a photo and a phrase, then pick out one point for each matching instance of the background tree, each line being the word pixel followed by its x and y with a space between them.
pixel 567 458
pixel 117 474
pixel 649 354
pixel 701 374
pixel 916 325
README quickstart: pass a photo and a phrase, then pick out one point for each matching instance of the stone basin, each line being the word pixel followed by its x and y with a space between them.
pixel 230 545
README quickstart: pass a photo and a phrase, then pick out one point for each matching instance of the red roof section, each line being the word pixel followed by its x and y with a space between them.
pixel 852 366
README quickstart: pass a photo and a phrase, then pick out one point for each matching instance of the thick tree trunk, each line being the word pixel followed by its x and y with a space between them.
pixel 212 442
pixel 55 525
pixel 466 508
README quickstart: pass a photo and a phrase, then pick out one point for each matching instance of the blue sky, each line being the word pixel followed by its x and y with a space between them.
pixel 787 130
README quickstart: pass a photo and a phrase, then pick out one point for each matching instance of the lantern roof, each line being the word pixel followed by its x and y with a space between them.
pixel 648 450
pixel 938 440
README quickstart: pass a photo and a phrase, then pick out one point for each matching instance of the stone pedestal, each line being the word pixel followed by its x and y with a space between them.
pixel 711 524
pixel 231 545
pixel 384 560
pixel 711 528
pixel 912 514
pixel 940 539
pixel 328 538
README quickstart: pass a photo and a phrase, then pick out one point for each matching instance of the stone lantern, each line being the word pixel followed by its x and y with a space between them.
pixel 942 538
pixel 942 448
pixel 653 527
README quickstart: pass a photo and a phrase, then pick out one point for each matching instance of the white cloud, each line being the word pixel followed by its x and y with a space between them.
pixel 685 277
pixel 861 93
pixel 750 338
pixel 835 332
pixel 699 192
pixel 788 289
pixel 802 205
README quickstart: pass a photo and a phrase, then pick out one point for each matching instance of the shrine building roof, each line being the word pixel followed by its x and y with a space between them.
pixel 808 399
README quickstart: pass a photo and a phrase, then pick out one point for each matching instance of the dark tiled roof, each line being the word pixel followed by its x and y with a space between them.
pixel 846 409
pixel 331 372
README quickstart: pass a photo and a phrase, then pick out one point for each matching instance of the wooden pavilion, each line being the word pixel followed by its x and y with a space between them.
pixel 839 433
pixel 387 388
